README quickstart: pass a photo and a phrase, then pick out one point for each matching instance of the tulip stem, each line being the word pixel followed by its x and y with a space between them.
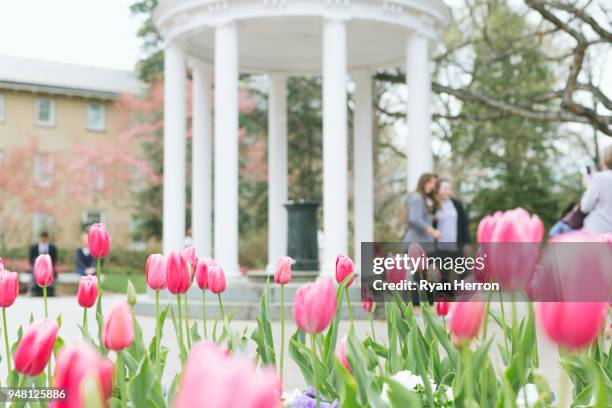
pixel 157 334
pixel 314 355
pixel 486 315
pixel 372 326
pixel 503 319
pixel 282 316
pixel 6 342
pixel 204 313
pixel 348 305
pixel 85 319
pixel 187 322
pixel 180 321
pixel 45 301
pixel 98 273
pixel 221 308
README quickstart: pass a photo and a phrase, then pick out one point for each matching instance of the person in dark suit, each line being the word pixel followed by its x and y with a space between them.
pixel 43 246
pixel 85 263
pixel 452 220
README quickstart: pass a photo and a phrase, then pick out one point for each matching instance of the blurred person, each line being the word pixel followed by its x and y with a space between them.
pixel 43 246
pixel 85 263
pixel 596 201
pixel 451 219
pixel 562 226
pixel 419 205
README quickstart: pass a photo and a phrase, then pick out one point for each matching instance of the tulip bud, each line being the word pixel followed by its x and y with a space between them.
pixel 201 273
pixel 314 306
pixel 572 325
pixel 512 264
pixel 341 353
pixel 367 300
pixel 177 274
pixel 464 320
pixel 216 278
pixel 43 270
pixel 88 291
pixel 118 331
pixel 442 308
pixel 344 268
pixel 9 288
pixel 99 241
pixel 282 275
pixel 131 293
pixel 78 367
pixel 156 271
pixel 35 348
pixel 192 260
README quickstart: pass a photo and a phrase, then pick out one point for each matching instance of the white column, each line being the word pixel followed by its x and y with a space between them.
pixel 277 169
pixel 419 155
pixel 335 162
pixel 226 148
pixel 363 162
pixel 175 129
pixel 201 162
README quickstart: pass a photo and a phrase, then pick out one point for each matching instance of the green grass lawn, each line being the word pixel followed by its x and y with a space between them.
pixel 117 282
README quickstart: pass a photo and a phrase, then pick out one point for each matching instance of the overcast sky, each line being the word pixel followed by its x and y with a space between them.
pixel 89 32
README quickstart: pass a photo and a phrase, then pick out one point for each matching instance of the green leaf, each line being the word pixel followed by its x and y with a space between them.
pixel 442 337
pixel 400 396
pixel 143 388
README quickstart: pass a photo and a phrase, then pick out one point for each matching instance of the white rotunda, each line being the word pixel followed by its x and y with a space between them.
pixel 338 39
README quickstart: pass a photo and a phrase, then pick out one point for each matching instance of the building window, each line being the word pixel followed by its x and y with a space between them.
pixel 42 168
pixel 45 111
pixel 135 243
pixel 96 117
pixel 2 103
pixel 41 222
pixel 92 216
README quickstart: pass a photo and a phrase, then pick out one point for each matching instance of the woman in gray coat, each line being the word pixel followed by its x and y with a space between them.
pixel 420 205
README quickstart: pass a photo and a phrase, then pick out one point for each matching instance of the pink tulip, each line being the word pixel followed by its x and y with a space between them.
pixel 118 331
pixel 344 267
pixel 1 264
pixel 192 260
pixel 572 325
pixel 88 291
pixel 35 348
pixel 75 364
pixel 201 272
pixel 155 269
pixel 99 241
pixel 212 378
pixel 575 267
pixel 465 319
pixel 282 275
pixel 442 308
pixel 341 353
pixel 216 278
pixel 43 270
pixel 314 306
pixel 367 300
pixel 9 287
pixel 511 246
pixel 177 274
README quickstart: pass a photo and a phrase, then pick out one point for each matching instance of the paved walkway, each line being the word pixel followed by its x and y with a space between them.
pixel 72 315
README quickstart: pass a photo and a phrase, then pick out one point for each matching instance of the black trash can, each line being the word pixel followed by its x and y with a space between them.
pixel 302 242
